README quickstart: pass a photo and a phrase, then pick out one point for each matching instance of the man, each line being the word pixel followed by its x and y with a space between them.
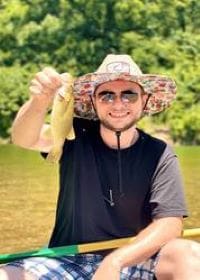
pixel 115 180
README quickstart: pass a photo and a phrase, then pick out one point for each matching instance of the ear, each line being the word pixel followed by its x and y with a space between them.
pixel 145 99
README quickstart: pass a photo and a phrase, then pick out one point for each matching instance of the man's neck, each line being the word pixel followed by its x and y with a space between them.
pixel 127 137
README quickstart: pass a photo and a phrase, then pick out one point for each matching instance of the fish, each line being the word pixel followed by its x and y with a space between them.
pixel 61 119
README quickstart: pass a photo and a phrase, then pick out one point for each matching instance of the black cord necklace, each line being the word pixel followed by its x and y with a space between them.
pixel 110 198
pixel 110 194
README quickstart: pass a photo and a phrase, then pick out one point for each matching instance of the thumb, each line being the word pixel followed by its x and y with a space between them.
pixel 67 81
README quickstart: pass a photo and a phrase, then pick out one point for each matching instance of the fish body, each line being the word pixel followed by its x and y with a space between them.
pixel 61 123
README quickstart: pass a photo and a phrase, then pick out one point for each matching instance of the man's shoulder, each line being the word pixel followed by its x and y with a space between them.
pixel 168 148
pixel 152 145
pixel 150 138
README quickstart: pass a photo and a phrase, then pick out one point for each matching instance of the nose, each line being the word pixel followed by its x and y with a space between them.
pixel 117 102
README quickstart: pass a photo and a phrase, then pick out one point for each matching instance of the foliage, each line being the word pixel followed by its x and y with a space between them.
pixel 13 93
pixel 74 35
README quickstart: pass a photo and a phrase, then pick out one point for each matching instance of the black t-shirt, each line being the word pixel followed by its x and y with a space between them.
pixel 151 185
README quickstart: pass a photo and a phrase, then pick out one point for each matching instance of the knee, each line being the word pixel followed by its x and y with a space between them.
pixel 3 275
pixel 179 259
pixel 13 273
pixel 181 249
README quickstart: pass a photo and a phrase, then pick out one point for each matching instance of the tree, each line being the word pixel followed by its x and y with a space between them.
pixel 75 35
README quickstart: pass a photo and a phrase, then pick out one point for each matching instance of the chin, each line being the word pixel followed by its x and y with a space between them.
pixel 117 126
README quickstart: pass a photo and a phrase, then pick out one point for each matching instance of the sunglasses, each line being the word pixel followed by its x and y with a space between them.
pixel 126 96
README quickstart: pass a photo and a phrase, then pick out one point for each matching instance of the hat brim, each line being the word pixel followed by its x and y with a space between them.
pixel 161 90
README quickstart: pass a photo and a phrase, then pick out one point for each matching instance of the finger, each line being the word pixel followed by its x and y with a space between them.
pixel 36 87
pixel 34 90
pixel 53 75
pixel 35 83
pixel 43 79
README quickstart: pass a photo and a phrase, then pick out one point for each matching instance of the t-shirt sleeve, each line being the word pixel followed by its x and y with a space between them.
pixel 167 194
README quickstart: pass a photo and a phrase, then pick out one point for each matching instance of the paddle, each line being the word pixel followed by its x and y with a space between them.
pixel 82 248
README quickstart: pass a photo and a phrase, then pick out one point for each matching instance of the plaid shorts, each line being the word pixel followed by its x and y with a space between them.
pixel 80 267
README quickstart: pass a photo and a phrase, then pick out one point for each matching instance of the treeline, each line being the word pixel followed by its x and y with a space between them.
pixel 163 36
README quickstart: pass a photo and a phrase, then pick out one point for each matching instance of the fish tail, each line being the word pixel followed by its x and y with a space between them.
pixel 71 134
pixel 55 154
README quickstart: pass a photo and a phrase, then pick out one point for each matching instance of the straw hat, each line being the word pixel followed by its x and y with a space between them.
pixel 161 89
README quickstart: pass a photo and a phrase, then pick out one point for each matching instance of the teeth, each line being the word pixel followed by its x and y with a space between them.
pixel 118 115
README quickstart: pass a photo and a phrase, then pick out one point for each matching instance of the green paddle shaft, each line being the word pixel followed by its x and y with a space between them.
pixel 46 252
pixel 82 248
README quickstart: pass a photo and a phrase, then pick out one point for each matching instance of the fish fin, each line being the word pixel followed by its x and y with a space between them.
pixel 71 134
pixel 55 154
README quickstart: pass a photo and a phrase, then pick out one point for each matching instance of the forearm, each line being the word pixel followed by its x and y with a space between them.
pixel 28 126
pixel 28 123
pixel 148 242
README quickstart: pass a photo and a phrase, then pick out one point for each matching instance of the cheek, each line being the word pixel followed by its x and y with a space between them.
pixel 97 107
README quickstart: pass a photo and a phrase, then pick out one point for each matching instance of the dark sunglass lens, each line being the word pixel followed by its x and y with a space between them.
pixel 129 96
pixel 106 96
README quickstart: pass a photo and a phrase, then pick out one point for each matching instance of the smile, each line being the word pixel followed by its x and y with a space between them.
pixel 119 115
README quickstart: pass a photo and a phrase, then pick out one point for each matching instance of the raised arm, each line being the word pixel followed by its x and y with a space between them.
pixel 29 127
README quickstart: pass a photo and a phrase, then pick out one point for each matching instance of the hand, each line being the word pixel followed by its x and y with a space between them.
pixel 45 85
pixel 107 270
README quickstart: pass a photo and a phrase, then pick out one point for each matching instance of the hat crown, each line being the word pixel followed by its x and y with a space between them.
pixel 119 63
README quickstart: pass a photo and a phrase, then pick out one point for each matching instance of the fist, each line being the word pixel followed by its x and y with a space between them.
pixel 45 84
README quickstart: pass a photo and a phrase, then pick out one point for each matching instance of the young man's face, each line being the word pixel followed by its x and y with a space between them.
pixel 119 104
